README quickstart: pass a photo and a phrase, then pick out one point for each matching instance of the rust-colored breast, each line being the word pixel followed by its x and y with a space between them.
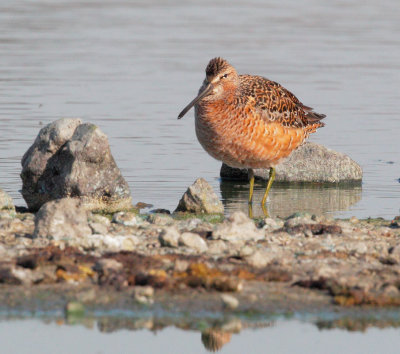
pixel 240 137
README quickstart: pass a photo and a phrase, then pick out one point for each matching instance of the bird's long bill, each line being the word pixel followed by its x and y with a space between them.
pixel 206 91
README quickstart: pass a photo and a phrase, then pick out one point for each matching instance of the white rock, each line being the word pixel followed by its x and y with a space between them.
pixel 194 241
pixel 230 302
pixel 260 259
pixel 169 237
pixel 238 227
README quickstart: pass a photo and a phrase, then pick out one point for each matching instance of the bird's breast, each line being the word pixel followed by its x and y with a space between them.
pixel 240 137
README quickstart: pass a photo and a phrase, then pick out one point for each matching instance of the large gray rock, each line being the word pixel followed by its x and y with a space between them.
pixel 6 202
pixel 71 159
pixel 200 198
pixel 63 218
pixel 309 163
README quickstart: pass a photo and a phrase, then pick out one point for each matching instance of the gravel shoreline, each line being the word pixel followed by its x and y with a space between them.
pixel 303 260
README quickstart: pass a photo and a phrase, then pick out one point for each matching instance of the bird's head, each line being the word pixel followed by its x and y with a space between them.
pixel 221 79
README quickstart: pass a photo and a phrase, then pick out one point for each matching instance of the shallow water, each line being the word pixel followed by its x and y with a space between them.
pixel 131 66
pixel 279 336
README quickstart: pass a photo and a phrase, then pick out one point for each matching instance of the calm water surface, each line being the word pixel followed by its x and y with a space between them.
pixel 131 66
pixel 281 336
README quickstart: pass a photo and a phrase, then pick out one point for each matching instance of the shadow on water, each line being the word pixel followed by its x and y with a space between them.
pixel 285 199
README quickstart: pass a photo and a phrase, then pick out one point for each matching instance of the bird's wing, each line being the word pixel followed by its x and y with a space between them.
pixel 275 103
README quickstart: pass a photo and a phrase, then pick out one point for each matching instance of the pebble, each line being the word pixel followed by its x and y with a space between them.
pixel 6 202
pixel 160 219
pixel 238 227
pixel 193 241
pixel 126 218
pixel 144 295
pixel 98 228
pixel 169 237
pixel 217 247
pixel 200 198
pixel 230 302
pixel 259 259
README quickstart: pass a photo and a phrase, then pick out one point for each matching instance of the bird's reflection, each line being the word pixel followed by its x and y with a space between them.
pixel 216 336
pixel 286 199
pixel 214 339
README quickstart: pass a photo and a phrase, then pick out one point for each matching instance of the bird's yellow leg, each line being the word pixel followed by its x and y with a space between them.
pixel 270 181
pixel 250 211
pixel 265 210
pixel 251 178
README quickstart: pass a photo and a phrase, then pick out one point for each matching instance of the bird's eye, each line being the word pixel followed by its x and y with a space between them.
pixel 224 76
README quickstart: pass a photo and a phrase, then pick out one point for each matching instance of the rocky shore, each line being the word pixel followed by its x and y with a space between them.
pixel 341 262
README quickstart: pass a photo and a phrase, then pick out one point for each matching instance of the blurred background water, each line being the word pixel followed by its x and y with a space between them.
pixel 131 66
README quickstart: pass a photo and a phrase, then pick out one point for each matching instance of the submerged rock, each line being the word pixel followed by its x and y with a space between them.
pixel 309 163
pixel 200 198
pixel 63 218
pixel 6 202
pixel 72 159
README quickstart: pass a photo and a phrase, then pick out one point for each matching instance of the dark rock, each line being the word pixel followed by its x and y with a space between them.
pixel 71 159
pixel 160 211
pixel 63 218
pixel 309 163
pixel 200 198
pixel 6 202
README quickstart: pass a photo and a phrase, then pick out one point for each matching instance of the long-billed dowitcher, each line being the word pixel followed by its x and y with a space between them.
pixel 249 121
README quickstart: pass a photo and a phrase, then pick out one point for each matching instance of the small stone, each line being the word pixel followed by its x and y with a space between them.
pixel 354 220
pixel 146 291
pixel 246 251
pixel 391 291
pixel 181 265
pixel 62 218
pixel 259 259
pixel 230 302
pixel 299 219
pixel 26 276
pixel 126 219
pixel 160 219
pixel 193 241
pixel 106 265
pixel 144 295
pixel 129 243
pixel 117 243
pixel 238 227
pixel 100 219
pixel 98 228
pixel 358 247
pixel 217 247
pixel 394 254
pixel 271 224
pixel 200 198
pixel 6 202
pixel 169 237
